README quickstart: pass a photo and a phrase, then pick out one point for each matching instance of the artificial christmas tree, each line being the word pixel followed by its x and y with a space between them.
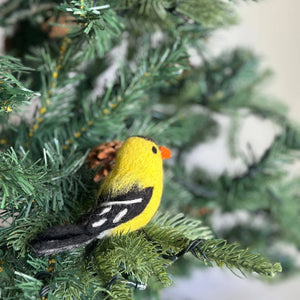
pixel 122 68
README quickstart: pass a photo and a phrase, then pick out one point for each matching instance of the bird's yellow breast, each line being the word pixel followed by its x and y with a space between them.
pixel 142 219
pixel 138 166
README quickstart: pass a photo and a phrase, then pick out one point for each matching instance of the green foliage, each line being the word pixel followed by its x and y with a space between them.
pixel 24 181
pixel 285 199
pixel 208 13
pixel 19 178
pixel 228 81
pixel 132 257
pixel 12 91
pixel 44 179
pixel 172 232
pixel 129 95
pixel 171 14
pixel 238 192
pixel 135 257
pixel 264 191
pixel 234 257
pixel 99 25
pixel 178 128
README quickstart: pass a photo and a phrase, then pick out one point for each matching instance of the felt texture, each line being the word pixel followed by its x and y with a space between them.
pixel 111 213
pixel 128 198
pixel 60 238
pixel 136 165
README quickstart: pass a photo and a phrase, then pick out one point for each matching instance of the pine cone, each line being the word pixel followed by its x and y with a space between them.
pixel 103 155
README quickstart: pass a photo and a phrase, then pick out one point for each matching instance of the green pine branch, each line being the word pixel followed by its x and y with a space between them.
pixel 38 186
pixel 234 257
pixel 98 26
pixel 123 261
pixel 13 92
pixel 208 13
pixel 159 242
pixel 237 192
pixel 230 80
pixel 56 63
pixel 19 178
pixel 170 14
pixel 124 101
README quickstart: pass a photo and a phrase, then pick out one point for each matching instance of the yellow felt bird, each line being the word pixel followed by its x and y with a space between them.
pixel 128 198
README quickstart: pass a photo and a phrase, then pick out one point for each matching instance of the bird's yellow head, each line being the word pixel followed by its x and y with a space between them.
pixel 144 150
pixel 139 162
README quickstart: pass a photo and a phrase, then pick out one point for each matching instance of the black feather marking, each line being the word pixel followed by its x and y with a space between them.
pixel 69 237
pixel 118 204
pixel 62 231
pixel 51 246
pixel 60 238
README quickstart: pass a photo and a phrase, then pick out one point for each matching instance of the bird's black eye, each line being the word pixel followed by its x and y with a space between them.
pixel 154 150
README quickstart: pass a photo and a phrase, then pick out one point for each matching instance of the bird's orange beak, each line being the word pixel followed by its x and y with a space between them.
pixel 165 152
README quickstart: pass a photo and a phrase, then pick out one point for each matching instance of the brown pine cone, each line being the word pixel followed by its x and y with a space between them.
pixel 103 155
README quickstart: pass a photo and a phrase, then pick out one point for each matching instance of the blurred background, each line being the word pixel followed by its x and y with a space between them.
pixel 272 29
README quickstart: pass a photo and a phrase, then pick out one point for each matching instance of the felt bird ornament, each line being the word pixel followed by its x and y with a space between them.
pixel 127 200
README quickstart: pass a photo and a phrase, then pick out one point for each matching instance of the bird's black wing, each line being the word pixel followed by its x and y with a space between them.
pixel 113 211
pixel 61 238
pixel 110 212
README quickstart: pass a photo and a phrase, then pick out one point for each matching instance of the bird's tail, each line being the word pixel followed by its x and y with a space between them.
pixel 61 238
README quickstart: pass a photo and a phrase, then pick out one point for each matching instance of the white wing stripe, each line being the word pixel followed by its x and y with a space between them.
pixel 105 210
pixel 104 233
pixel 99 223
pixel 125 202
pixel 120 215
